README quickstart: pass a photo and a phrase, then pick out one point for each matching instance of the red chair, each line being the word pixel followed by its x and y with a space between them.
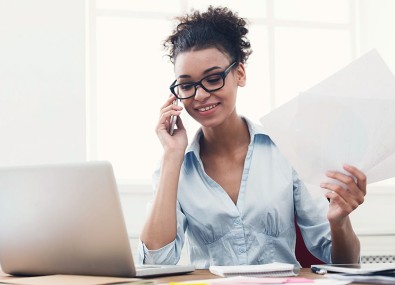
pixel 303 255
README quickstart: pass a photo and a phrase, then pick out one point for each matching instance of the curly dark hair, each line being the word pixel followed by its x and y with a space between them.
pixel 218 27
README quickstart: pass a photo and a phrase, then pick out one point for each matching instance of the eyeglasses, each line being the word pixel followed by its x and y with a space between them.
pixel 210 83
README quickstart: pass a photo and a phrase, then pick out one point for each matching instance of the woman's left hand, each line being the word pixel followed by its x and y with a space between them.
pixel 346 197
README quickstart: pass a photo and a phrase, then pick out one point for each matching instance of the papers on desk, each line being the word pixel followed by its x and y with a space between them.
pixel 377 273
pixel 274 269
pixel 347 118
pixel 365 278
pixel 356 268
pixel 243 280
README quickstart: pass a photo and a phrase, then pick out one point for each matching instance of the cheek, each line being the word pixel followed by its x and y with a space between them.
pixel 187 108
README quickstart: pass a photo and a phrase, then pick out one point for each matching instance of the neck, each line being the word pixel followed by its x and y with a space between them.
pixel 226 138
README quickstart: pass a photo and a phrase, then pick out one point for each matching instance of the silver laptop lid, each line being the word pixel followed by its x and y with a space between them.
pixel 63 219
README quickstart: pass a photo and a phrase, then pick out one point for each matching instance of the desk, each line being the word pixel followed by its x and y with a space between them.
pixel 201 274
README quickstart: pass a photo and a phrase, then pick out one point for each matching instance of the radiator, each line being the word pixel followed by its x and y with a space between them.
pixel 378 259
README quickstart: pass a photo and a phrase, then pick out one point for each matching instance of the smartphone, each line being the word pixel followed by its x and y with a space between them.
pixel 173 120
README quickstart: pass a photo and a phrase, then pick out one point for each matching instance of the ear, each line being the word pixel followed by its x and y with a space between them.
pixel 241 75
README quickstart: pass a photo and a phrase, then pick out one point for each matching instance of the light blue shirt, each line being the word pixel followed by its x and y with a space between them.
pixel 259 228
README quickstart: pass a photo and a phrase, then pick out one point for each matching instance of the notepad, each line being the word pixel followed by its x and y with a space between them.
pixel 275 269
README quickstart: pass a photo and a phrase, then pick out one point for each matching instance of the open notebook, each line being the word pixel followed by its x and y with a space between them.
pixel 66 219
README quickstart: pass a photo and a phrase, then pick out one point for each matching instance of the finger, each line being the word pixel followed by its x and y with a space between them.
pixel 359 175
pixel 353 190
pixel 169 101
pixel 339 200
pixel 168 111
pixel 347 180
pixel 354 199
pixel 165 116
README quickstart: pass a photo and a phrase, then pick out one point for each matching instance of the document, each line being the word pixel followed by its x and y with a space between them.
pixel 274 269
pixel 359 268
pixel 348 118
pixel 377 273
pixel 242 280
pixel 365 278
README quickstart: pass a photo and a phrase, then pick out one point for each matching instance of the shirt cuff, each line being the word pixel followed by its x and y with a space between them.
pixel 163 255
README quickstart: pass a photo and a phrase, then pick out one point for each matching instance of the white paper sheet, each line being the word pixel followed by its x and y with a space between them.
pixel 347 118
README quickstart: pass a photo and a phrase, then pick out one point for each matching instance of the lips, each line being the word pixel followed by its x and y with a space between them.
pixel 207 108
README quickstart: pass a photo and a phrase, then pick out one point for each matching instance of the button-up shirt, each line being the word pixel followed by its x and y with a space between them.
pixel 259 228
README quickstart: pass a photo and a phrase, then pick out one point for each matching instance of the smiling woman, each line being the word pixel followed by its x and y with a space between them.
pixel 123 79
pixel 43 112
pixel 294 48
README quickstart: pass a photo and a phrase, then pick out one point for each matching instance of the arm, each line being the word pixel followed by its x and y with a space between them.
pixel 160 228
pixel 311 215
pixel 344 199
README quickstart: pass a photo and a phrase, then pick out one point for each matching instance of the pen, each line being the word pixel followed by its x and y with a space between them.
pixel 317 270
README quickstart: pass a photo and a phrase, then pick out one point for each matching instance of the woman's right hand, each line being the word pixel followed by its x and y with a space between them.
pixel 179 140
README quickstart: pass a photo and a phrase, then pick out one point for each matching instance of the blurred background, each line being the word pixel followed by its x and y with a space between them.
pixel 84 80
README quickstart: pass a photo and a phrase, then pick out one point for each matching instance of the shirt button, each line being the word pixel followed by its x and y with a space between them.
pixel 237 221
pixel 241 250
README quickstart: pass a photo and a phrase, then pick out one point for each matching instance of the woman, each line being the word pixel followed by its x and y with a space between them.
pixel 231 195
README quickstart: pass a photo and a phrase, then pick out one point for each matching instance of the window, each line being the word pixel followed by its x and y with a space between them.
pixel 296 43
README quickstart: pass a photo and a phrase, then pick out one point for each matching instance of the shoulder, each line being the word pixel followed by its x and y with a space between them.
pixel 257 133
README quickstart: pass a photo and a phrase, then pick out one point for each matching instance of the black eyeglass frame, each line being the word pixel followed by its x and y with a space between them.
pixel 223 74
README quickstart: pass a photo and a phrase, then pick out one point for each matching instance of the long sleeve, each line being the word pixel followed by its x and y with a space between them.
pixel 311 217
pixel 170 253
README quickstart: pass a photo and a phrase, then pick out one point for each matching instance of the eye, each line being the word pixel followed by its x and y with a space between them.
pixel 186 86
pixel 213 79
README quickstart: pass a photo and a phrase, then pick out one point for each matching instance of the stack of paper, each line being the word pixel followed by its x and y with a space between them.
pixel 262 270
pixel 346 119
pixel 373 273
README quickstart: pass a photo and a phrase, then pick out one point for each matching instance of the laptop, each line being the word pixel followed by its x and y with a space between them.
pixel 66 219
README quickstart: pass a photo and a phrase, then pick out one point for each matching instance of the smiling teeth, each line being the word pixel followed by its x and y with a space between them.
pixel 207 108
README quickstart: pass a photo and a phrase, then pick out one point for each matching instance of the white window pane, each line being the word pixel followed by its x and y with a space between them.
pixel 333 11
pixel 139 5
pixel 247 8
pixel 254 99
pixel 133 78
pixel 303 57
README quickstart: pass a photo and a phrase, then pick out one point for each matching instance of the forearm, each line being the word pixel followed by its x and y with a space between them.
pixel 161 226
pixel 345 243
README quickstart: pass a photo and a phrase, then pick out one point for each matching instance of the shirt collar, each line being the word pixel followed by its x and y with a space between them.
pixel 253 128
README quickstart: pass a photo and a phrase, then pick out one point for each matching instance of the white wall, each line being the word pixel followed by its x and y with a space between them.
pixel 42 81
pixel 373 221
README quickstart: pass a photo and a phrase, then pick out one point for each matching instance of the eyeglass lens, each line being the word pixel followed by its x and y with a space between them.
pixel 209 83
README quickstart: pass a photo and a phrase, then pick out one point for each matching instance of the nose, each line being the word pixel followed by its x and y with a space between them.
pixel 201 94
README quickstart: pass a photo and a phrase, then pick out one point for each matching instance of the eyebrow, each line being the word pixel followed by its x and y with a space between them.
pixel 204 72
